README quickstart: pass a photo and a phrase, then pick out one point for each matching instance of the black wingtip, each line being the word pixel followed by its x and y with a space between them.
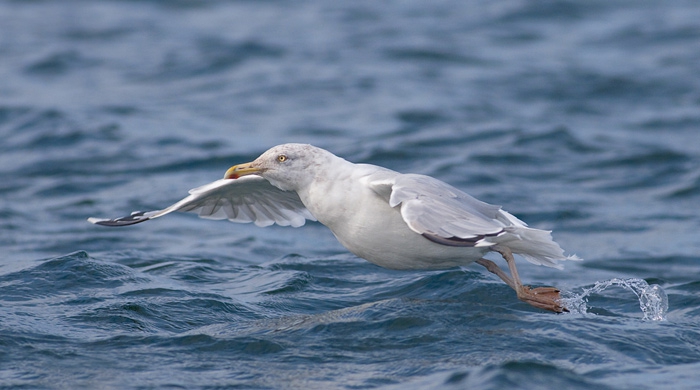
pixel 463 242
pixel 132 219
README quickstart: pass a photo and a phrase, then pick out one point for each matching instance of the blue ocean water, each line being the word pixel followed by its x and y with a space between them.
pixel 580 117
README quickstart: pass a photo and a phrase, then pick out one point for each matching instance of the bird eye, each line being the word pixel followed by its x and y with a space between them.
pixel 281 158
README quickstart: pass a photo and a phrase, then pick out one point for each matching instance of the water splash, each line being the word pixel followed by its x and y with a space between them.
pixel 652 298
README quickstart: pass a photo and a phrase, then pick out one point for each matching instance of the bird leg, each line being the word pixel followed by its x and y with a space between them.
pixel 494 269
pixel 542 297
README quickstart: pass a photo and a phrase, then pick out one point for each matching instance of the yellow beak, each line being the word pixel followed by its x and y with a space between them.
pixel 239 170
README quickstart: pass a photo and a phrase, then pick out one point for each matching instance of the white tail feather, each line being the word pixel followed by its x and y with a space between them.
pixel 535 245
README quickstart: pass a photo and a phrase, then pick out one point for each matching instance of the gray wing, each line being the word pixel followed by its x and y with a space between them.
pixel 243 200
pixel 443 213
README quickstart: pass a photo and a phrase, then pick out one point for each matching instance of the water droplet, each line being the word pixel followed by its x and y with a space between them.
pixel 653 301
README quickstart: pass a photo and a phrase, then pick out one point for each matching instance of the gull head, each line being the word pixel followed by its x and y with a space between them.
pixel 288 167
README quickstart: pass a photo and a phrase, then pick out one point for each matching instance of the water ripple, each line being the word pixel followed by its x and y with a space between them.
pixel 577 118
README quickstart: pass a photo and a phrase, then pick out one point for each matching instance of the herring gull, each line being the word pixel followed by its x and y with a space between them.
pixel 394 220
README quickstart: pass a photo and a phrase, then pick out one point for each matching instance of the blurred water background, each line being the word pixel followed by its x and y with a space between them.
pixel 577 116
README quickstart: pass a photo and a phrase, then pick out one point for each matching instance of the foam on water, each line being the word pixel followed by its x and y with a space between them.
pixel 652 298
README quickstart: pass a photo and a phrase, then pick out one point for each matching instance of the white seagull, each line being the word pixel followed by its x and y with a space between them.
pixel 394 220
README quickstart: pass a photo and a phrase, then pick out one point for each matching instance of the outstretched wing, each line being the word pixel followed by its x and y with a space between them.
pixel 243 200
